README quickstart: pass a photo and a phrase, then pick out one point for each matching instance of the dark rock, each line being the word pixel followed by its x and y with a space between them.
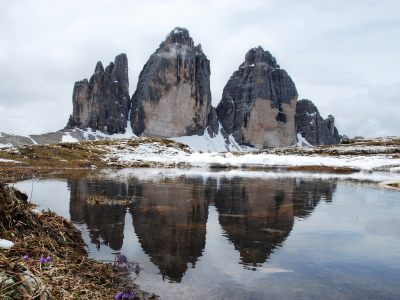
pixel 103 102
pixel 312 127
pixel 173 96
pixel 259 102
pixel 330 122
pixel 343 138
pixel 358 137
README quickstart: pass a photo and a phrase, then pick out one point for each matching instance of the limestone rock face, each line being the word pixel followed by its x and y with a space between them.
pixel 259 103
pixel 173 96
pixel 312 127
pixel 103 103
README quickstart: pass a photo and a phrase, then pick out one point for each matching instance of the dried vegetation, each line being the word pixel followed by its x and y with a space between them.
pixel 70 275
pixel 86 154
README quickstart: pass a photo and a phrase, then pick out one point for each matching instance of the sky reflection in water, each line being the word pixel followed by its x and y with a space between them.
pixel 239 235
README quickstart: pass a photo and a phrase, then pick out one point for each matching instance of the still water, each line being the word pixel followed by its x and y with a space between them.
pixel 238 235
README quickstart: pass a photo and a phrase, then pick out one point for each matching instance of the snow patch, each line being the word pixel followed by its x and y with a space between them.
pixel 34 142
pixel 67 138
pixel 273 160
pixel 395 170
pixel 9 160
pixel 6 244
pixel 302 141
pixel 5 145
pixel 98 135
pixel 209 144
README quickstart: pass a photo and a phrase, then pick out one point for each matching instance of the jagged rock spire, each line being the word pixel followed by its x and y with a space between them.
pixel 103 102
pixel 173 96
pixel 259 102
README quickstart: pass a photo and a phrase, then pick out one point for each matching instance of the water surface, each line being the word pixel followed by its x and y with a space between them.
pixel 238 235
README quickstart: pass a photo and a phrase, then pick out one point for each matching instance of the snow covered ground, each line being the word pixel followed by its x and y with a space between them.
pixel 155 175
pixel 121 153
pixel 207 143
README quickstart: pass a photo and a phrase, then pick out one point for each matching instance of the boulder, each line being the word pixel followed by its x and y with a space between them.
pixel 259 103
pixel 313 127
pixel 103 103
pixel 173 96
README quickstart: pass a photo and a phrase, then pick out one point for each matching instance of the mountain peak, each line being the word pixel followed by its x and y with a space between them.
pixel 179 36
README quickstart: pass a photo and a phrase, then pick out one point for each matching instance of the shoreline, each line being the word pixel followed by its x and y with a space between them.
pixel 67 272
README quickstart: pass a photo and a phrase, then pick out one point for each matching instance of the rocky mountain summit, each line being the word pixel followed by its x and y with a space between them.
pixel 259 106
pixel 259 103
pixel 103 103
pixel 173 96
pixel 313 127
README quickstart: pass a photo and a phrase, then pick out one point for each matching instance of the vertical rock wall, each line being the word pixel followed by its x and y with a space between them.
pixel 173 96
pixel 103 103
pixel 259 103
pixel 312 127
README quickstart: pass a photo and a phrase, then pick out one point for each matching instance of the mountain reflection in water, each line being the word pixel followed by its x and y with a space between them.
pixel 170 213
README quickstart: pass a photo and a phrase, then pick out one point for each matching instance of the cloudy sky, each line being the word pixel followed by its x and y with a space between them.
pixel 342 55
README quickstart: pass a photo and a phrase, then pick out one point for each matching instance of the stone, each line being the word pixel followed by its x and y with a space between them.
pixel 173 96
pixel 330 122
pixel 313 127
pixel 29 286
pixel 259 103
pixel 343 138
pixel 358 137
pixel 103 102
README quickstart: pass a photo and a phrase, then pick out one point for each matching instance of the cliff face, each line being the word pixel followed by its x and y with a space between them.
pixel 259 103
pixel 313 127
pixel 173 96
pixel 103 103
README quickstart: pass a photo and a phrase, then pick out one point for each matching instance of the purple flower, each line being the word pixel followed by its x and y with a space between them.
pixel 137 268
pixel 26 257
pixel 122 259
pixel 128 294
pixel 119 296
pixel 41 260
pixel 48 258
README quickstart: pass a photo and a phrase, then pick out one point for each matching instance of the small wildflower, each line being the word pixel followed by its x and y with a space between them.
pixel 26 257
pixel 122 259
pixel 119 296
pixel 128 294
pixel 48 258
pixel 42 260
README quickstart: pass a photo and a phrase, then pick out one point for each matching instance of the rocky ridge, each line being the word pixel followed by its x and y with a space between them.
pixel 103 103
pixel 313 127
pixel 259 106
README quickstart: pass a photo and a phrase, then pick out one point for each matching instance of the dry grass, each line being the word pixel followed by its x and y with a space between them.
pixel 323 169
pixel 71 274
pixel 62 155
pixel 395 185
pixel 76 155
pixel 102 200
pixel 15 174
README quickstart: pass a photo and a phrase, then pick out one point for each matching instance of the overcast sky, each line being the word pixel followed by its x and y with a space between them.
pixel 342 55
